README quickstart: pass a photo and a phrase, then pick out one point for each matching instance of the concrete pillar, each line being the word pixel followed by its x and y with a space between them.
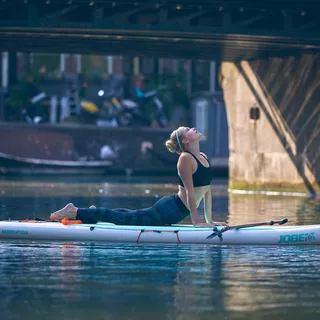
pixel 5 74
pixel 193 76
pixel 53 109
pixel 79 63
pixel 109 65
pixel 156 66
pixel 175 66
pixel 160 66
pixel 1 68
pixel 62 62
pixel 65 108
pixel 268 153
pixel 12 70
pixel 136 66
pixel 213 77
pixel 1 91
pixel 188 71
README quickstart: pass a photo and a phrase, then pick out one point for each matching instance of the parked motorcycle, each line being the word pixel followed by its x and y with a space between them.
pixel 27 116
pixel 125 112
pixel 157 113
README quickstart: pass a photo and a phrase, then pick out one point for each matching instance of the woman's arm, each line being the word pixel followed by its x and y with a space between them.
pixel 208 206
pixel 208 213
pixel 185 170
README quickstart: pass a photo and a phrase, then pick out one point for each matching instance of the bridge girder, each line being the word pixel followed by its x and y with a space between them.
pixel 200 29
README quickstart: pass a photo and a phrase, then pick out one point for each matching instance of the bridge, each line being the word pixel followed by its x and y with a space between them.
pixel 205 29
pixel 269 52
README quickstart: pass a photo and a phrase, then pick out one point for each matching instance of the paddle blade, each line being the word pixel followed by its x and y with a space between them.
pixel 283 221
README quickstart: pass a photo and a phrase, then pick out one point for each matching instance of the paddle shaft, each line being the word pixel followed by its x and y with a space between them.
pixel 218 233
pixel 256 224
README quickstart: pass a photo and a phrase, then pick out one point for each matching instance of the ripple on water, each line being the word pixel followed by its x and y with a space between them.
pixel 126 281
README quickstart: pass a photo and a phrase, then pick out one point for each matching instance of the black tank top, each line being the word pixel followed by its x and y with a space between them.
pixel 202 176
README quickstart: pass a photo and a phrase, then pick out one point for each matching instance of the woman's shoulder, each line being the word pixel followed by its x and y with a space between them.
pixel 185 156
pixel 185 160
pixel 185 163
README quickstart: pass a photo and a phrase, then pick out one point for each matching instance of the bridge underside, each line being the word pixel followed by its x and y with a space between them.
pixel 234 30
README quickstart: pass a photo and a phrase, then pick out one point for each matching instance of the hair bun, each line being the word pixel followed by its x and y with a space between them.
pixel 170 145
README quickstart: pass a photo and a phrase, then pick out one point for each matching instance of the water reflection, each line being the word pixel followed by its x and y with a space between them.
pixel 29 199
pixel 55 280
pixel 175 282
pixel 248 208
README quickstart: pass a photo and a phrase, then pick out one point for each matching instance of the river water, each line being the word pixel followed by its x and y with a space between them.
pixel 57 280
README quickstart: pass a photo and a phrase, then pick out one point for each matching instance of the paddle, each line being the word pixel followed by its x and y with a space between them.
pixel 217 233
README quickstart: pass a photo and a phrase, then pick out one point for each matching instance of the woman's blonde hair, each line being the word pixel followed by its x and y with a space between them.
pixel 174 144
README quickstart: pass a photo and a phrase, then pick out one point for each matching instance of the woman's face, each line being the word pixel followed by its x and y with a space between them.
pixel 191 134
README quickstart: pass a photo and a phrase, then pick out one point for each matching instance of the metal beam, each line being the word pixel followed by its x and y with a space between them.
pixel 4 6
pixel 226 19
pixel 231 49
pixel 125 15
pixel 247 22
pixel 32 12
pixel 155 32
pixel 308 25
pixel 187 18
pixel 163 15
pixel 287 20
pixel 98 13
pixel 60 12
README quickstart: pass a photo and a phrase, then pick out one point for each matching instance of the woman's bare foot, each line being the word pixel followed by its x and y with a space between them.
pixel 69 211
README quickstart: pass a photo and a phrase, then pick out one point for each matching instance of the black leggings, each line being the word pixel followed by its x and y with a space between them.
pixel 166 211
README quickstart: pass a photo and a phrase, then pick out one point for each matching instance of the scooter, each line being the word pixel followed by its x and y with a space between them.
pixel 126 112
pixel 116 111
pixel 132 109
pixel 158 114
pixel 33 101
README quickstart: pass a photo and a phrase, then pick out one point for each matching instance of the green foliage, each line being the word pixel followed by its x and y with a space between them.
pixel 21 92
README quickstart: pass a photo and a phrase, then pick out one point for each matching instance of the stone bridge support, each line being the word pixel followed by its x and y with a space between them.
pixel 273 110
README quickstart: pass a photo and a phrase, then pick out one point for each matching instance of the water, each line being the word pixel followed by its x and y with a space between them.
pixel 56 280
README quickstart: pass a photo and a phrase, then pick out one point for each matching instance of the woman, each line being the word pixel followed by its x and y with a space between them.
pixel 194 176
